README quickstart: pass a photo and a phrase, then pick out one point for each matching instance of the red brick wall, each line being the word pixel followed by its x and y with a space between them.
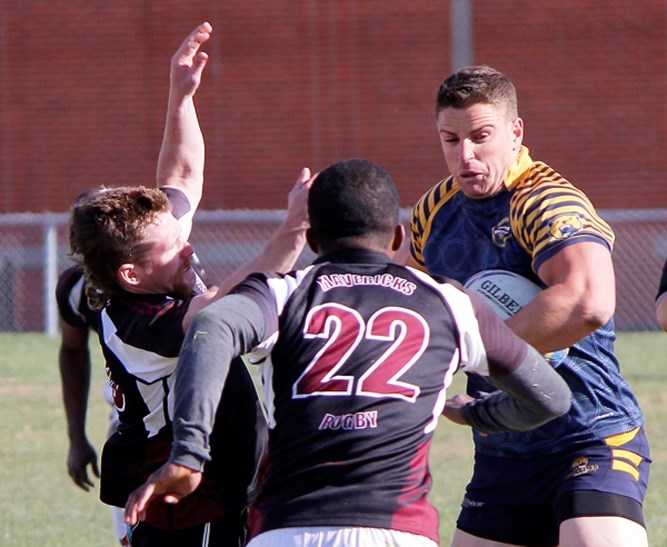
pixel 84 84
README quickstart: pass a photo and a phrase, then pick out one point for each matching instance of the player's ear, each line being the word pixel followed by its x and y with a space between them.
pixel 399 237
pixel 129 275
pixel 517 131
pixel 312 241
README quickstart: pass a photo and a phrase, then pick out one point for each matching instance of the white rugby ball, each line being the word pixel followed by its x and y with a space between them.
pixel 508 292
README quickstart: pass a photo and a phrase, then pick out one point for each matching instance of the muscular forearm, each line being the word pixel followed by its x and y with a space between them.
pixel 550 322
pixel 579 298
pixel 531 395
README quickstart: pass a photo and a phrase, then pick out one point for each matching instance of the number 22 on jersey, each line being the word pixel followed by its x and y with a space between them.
pixel 404 333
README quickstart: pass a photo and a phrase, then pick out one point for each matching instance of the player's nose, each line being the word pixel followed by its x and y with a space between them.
pixel 187 250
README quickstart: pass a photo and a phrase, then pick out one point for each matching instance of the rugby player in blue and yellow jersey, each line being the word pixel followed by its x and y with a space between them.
pixel 581 478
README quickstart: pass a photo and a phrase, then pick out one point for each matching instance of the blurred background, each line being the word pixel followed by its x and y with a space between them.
pixel 304 83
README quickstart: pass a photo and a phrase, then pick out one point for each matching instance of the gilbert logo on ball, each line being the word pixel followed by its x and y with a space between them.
pixel 508 292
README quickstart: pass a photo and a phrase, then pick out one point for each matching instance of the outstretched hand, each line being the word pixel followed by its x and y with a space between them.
pixel 171 481
pixel 188 63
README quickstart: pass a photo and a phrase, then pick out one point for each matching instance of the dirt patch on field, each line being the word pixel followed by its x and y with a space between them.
pixel 14 386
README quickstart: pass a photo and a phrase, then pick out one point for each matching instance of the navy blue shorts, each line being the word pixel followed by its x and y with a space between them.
pixel 524 500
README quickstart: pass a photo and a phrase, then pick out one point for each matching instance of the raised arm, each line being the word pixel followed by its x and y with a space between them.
pixel 181 160
pixel 284 246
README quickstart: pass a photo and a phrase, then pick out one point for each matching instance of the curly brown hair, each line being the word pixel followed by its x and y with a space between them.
pixel 107 230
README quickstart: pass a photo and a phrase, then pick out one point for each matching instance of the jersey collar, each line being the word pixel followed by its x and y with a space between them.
pixel 352 256
pixel 518 169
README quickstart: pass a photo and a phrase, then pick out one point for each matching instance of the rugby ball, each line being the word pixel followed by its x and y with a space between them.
pixel 507 293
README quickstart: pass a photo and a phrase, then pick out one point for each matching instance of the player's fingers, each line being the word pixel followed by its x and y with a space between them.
pixel 192 43
pixel 171 498
pixel 135 508
pixel 304 176
pixel 84 485
pixel 198 64
pixel 79 477
pixel 87 483
pixel 95 468
pixel 297 198
pixel 313 176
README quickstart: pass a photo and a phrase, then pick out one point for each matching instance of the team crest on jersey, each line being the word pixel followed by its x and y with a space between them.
pixel 501 232
pixel 566 225
pixel 581 466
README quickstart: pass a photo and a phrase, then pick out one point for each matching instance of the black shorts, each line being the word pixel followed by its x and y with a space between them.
pixel 524 500
pixel 225 531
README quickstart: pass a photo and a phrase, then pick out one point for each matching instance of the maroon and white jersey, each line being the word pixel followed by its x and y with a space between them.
pixel 357 355
pixel 141 336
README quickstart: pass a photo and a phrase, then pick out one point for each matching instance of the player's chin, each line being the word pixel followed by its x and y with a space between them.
pixel 186 284
pixel 474 188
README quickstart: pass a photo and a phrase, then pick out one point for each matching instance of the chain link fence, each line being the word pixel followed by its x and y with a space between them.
pixel 34 249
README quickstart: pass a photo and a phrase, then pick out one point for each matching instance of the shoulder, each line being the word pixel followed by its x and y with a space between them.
pixel 71 299
pixel 546 208
pixel 434 198
pixel 542 187
pixel 424 212
pixel 153 323
pixel 68 279
pixel 541 182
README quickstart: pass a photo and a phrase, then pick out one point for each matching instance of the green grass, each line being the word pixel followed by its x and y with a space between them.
pixel 40 506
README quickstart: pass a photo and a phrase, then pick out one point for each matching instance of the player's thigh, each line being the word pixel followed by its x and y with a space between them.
pixel 463 539
pixel 602 532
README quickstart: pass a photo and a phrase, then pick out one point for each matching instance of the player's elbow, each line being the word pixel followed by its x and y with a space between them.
pixel 596 312
pixel 595 319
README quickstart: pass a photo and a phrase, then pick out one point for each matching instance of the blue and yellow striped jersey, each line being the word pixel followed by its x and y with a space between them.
pixel 537 214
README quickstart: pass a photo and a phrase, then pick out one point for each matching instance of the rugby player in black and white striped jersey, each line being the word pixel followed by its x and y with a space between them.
pixel 133 244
